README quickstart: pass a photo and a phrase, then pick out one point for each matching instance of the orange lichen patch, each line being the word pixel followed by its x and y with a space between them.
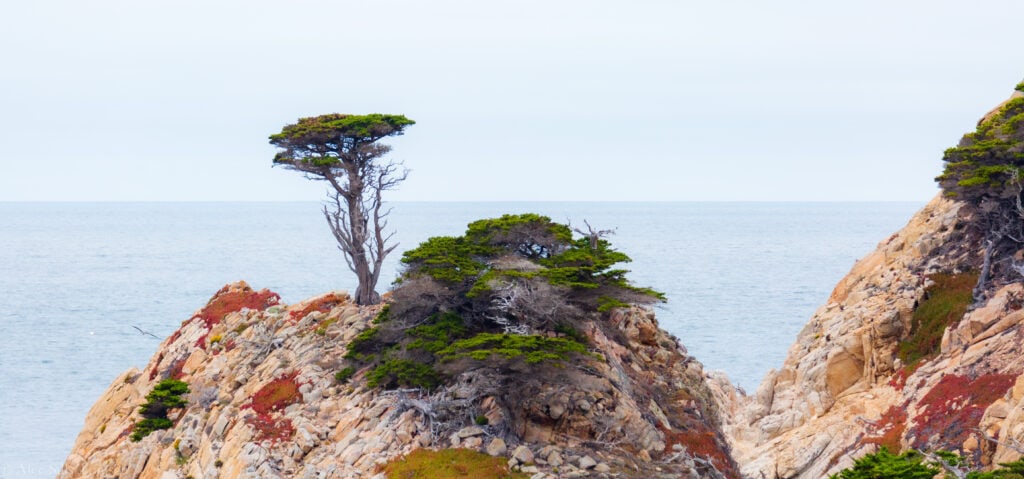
pixel 271 398
pixel 952 409
pixel 889 429
pixel 323 304
pixel 701 443
pixel 226 302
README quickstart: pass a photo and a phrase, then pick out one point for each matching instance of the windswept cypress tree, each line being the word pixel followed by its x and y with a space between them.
pixel 986 171
pixel 343 150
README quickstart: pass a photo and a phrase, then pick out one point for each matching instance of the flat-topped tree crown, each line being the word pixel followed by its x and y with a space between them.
pixel 343 150
pixel 334 139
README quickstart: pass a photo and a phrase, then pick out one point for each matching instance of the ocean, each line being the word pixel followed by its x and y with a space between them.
pixel 78 278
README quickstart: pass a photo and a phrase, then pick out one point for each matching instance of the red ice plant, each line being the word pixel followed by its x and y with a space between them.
pixel 271 398
pixel 323 304
pixel 225 302
pixel 889 428
pixel 700 442
pixel 953 408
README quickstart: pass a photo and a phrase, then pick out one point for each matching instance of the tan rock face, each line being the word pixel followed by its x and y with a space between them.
pixel 264 403
pixel 842 392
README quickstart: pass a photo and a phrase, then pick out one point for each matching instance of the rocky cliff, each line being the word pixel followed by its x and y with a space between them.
pixel 266 401
pixel 900 356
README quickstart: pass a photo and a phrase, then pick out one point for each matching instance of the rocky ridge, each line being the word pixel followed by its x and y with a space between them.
pixel 265 403
pixel 843 390
pixel 641 408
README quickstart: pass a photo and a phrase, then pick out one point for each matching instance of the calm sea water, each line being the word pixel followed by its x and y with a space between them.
pixel 741 278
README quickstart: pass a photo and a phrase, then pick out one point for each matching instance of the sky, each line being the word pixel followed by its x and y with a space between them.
pixel 575 100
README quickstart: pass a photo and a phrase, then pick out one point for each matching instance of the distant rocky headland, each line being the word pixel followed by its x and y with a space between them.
pixel 519 350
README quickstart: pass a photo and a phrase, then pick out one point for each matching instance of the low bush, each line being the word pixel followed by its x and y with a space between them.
pixel 270 399
pixel 885 465
pixel 344 375
pixel 532 348
pixel 511 291
pixel 165 395
pixel 394 373
pixel 944 305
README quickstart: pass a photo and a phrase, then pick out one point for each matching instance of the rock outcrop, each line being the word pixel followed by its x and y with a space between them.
pixel 863 374
pixel 265 402
pixel 900 356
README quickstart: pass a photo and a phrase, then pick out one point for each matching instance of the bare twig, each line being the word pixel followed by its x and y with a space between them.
pixel 593 235
pixel 1013 444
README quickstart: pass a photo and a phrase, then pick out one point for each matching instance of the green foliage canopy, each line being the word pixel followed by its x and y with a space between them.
pixel 1009 470
pixel 987 163
pixel 473 260
pixel 885 465
pixel 164 396
pixel 913 465
pixel 509 292
pixel 331 140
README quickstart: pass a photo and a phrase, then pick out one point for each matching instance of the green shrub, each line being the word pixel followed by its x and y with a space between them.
pixel 516 273
pixel 437 333
pixel 986 165
pixel 362 344
pixel 529 235
pixel 572 333
pixel 1009 470
pixel 467 261
pixel 148 425
pixel 446 259
pixel 606 303
pixel 481 420
pixel 533 348
pixel 394 373
pixel 912 465
pixel 884 465
pixel 945 304
pixel 382 316
pixel 344 375
pixel 164 396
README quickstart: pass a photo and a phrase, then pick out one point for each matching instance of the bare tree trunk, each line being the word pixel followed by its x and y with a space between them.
pixel 363 248
pixel 365 293
pixel 986 267
pixel 594 236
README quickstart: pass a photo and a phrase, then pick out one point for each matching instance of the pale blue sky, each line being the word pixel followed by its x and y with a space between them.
pixel 524 100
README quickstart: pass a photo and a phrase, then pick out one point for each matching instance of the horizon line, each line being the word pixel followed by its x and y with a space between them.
pixel 466 201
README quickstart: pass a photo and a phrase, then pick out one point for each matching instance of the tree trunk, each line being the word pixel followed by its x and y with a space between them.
pixel 986 266
pixel 365 294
